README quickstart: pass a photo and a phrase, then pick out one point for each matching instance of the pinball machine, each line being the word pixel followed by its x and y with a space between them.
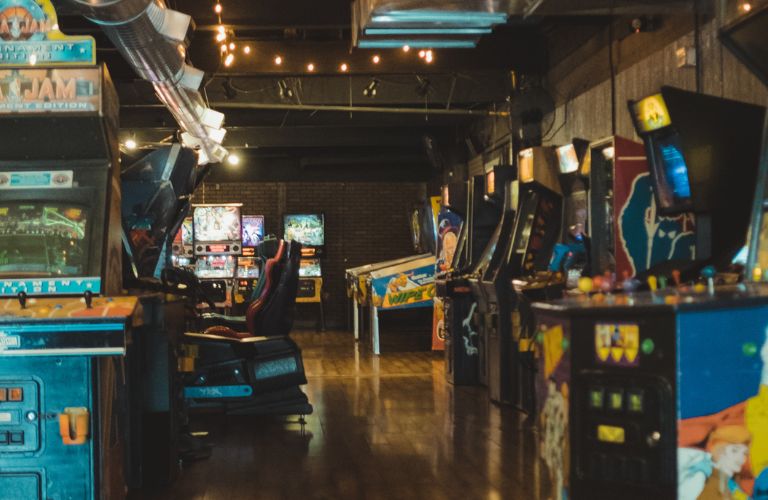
pixel 217 242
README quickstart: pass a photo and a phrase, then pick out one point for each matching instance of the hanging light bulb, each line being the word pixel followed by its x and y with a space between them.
pixel 344 67
pixel 220 28
pixel 217 8
pixel 229 59
pixel 428 56
pixel 311 67
pixel 422 53
pixel 233 159
pixel 278 60
pixel 223 47
pixel 220 37
pixel 746 7
pixel 231 45
pixel 406 48
pixel 130 144
pixel 247 49
pixel 376 59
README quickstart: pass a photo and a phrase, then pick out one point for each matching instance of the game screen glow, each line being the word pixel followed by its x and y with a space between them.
pixel 525 165
pixel 310 268
pixel 253 230
pixel 220 223
pixel 306 229
pixel 671 174
pixel 566 156
pixel 42 239
pixel 186 232
pixel 215 266
pixel 247 268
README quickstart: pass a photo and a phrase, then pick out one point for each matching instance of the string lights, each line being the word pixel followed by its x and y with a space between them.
pixel 226 39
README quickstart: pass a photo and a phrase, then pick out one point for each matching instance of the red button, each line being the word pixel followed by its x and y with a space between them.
pixel 3 394
pixel 15 394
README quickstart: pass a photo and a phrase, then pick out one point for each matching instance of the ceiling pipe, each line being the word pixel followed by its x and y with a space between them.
pixel 344 109
pixel 152 38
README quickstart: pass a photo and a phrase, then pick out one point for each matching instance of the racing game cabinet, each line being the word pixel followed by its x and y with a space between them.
pixel 249 364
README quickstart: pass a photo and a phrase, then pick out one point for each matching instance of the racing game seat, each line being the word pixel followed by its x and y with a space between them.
pixel 249 365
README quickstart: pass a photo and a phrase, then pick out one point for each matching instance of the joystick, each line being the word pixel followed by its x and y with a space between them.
pixel 586 284
pixel 88 296
pixel 652 283
pixel 708 273
pixel 22 296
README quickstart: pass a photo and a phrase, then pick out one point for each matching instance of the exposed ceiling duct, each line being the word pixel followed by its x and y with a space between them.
pixel 152 38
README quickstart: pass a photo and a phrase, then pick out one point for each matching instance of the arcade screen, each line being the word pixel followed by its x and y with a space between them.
pixel 567 159
pixel 215 266
pixel 253 230
pixel 310 268
pixel 670 174
pixel 43 239
pixel 186 232
pixel 490 183
pixel 217 223
pixel 247 267
pixel 525 165
pixel 307 229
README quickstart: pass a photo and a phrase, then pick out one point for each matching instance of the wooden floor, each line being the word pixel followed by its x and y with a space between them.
pixel 386 427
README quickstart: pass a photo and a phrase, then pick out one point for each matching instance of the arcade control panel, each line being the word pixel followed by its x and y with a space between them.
pixel 19 416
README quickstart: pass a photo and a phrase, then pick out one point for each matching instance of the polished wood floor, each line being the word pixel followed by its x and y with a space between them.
pixel 386 427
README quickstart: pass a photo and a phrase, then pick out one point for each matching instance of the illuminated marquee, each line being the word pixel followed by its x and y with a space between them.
pixel 29 35
pixel 27 90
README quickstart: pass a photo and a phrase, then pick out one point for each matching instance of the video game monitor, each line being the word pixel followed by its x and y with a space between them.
pixel 217 229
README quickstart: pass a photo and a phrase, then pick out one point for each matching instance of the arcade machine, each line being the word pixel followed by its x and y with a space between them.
pixel 182 251
pixel 500 186
pixel 309 230
pixel 402 291
pixel 465 349
pixel 629 232
pixel 248 264
pixel 450 221
pixel 64 329
pixel 571 254
pixel 662 394
pixel 217 241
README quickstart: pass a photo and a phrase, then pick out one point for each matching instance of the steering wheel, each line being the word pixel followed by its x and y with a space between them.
pixel 184 282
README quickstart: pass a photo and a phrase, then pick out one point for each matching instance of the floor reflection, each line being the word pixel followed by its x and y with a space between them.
pixel 385 427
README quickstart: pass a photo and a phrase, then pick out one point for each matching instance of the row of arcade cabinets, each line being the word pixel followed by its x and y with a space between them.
pixel 510 219
pixel 663 393
pixel 396 296
pixel 65 329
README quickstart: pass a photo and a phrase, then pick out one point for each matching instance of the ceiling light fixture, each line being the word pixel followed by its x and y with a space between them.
pixel 376 59
pixel 217 8
pixel 130 144
pixel 283 90
pixel 406 48
pixel 233 159
pixel 422 53
pixel 370 90
pixel 428 56
pixel 220 37
pixel 344 67
pixel 231 45
pixel 278 60
pixel 311 67
pixel 229 60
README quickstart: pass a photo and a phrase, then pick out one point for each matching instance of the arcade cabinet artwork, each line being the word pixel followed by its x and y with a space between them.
pixel 249 264
pixel 62 333
pixel 662 394
pixel 629 233
pixel 449 223
pixel 217 241
pixel 309 230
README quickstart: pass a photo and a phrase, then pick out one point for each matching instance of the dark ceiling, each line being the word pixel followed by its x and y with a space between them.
pixel 310 132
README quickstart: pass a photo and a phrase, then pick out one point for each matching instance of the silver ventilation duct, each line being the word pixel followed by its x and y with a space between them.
pixel 151 37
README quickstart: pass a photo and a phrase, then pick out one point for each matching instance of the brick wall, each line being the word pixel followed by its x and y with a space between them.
pixel 364 222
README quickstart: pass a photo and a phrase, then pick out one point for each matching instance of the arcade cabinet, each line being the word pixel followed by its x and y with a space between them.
pixel 248 264
pixel 401 295
pixel 64 330
pixel 217 241
pixel 309 230
pixel 182 252
pixel 450 220
pixel 500 186
pixel 465 349
pixel 677 127
pixel 662 393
